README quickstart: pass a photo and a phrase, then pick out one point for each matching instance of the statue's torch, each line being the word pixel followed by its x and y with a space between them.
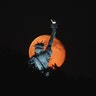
pixel 54 25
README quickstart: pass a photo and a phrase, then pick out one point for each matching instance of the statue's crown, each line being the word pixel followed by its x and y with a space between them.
pixel 40 45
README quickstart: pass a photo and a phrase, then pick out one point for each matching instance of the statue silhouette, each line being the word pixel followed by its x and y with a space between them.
pixel 41 58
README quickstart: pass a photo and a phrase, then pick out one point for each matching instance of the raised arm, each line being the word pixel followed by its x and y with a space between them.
pixel 53 34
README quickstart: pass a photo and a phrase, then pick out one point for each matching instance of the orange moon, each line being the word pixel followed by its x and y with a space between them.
pixel 58 50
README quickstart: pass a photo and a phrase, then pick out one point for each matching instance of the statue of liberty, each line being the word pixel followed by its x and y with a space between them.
pixel 41 58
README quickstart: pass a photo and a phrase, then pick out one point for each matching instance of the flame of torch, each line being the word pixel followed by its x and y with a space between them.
pixel 53 22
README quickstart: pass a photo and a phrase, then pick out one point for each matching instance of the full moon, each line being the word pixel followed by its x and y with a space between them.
pixel 58 50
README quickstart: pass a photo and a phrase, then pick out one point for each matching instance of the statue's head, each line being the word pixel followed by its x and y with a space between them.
pixel 39 48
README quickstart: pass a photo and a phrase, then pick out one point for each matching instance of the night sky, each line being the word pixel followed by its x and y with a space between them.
pixel 23 23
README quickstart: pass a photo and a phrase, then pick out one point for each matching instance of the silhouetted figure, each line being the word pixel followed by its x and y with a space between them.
pixel 41 58
pixel 55 66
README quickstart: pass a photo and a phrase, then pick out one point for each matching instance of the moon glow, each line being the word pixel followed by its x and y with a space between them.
pixel 58 50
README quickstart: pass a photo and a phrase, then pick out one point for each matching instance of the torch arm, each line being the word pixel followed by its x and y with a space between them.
pixel 52 38
pixel 54 27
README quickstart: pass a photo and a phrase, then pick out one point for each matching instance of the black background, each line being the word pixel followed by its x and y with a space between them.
pixel 22 23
